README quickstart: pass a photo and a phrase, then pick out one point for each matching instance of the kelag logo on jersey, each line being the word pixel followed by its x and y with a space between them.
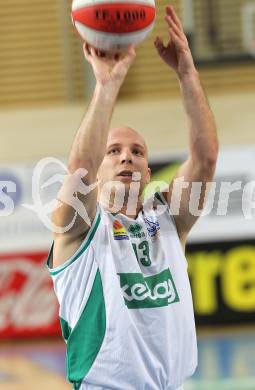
pixel 148 292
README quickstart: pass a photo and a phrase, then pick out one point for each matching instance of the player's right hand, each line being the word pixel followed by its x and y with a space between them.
pixel 109 68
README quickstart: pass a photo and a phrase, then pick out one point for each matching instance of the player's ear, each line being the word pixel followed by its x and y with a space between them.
pixel 148 178
pixel 98 173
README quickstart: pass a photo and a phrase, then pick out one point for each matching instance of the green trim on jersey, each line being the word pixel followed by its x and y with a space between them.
pixel 66 329
pixel 158 196
pixel 162 199
pixel 79 252
pixel 87 337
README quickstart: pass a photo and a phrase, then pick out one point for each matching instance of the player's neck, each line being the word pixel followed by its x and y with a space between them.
pixel 131 211
pixel 130 207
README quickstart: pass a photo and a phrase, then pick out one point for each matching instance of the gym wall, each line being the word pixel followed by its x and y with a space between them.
pixel 45 86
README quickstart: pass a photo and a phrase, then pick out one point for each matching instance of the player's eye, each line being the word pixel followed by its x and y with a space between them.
pixel 138 152
pixel 113 151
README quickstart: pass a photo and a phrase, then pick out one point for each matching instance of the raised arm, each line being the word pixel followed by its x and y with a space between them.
pixel 87 153
pixel 203 142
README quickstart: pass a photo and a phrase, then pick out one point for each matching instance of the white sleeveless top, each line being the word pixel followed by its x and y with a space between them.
pixel 125 304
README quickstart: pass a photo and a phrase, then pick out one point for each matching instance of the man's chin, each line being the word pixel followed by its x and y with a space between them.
pixel 124 179
pixel 126 188
pixel 122 188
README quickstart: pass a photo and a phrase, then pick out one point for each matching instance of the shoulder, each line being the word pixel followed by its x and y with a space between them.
pixel 66 246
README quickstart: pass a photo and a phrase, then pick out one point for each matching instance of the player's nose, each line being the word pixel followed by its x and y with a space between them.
pixel 126 156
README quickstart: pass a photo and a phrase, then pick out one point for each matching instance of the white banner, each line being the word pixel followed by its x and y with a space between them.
pixel 231 209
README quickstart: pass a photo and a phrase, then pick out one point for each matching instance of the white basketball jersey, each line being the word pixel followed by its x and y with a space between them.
pixel 125 304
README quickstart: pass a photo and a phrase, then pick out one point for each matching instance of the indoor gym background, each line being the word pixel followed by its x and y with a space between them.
pixel 45 85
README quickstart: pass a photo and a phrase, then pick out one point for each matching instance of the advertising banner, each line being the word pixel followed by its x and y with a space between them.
pixel 221 246
pixel 28 305
pixel 220 249
pixel 222 276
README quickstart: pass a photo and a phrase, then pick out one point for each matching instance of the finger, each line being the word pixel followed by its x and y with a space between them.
pixel 93 51
pixel 125 62
pixel 131 50
pixel 130 55
pixel 159 45
pixel 85 47
pixel 175 38
pixel 99 53
pixel 158 41
pixel 171 23
pixel 163 51
pixel 88 48
pixel 170 12
pixel 86 51
pixel 176 29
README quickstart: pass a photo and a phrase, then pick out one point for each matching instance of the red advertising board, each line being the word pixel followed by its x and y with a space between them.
pixel 28 305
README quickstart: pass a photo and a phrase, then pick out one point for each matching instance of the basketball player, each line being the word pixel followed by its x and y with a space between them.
pixel 125 302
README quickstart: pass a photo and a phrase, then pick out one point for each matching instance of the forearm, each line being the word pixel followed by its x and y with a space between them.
pixel 203 141
pixel 89 145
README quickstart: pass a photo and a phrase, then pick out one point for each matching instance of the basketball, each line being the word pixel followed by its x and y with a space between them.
pixel 113 25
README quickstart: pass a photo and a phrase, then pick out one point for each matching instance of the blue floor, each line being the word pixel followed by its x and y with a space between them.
pixel 226 361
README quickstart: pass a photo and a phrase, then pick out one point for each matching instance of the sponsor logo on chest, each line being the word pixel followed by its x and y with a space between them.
pixel 136 231
pixel 119 232
pixel 153 227
pixel 150 291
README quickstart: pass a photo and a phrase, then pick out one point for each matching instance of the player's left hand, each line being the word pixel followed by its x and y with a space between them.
pixel 177 53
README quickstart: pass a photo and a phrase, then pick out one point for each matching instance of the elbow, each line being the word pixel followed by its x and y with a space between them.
pixel 75 164
pixel 209 163
pixel 209 158
pixel 213 154
pixel 206 163
pixel 89 165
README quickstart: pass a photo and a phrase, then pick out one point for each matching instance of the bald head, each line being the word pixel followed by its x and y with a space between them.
pixel 119 134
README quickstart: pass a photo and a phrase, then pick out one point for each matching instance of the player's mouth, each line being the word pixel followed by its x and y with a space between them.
pixel 125 174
